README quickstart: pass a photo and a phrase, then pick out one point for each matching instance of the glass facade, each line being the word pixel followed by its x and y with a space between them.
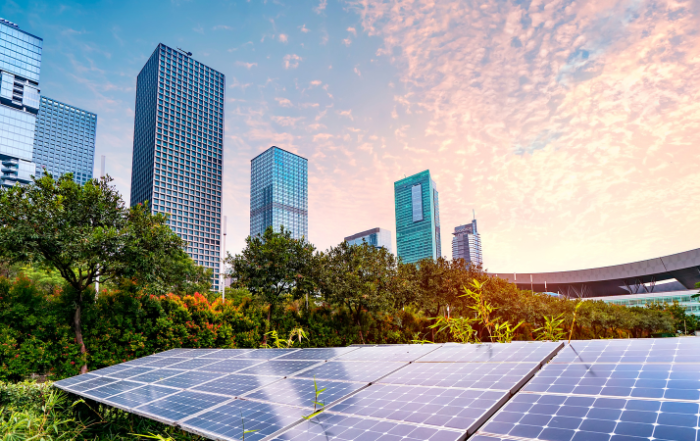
pixel 417 218
pixel 466 244
pixel 279 193
pixel 684 298
pixel 178 149
pixel 20 64
pixel 377 237
pixel 65 140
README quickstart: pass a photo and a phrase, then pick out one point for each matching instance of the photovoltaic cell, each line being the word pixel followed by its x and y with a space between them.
pixel 235 385
pixel 90 384
pixel 440 407
pixel 269 353
pixel 181 405
pixel 141 395
pixel 165 362
pixel 674 350
pixel 317 353
pixel 113 389
pixel 391 352
pixel 230 366
pixel 111 369
pixel 279 368
pixel 669 381
pixel 301 392
pixel 573 418
pixel 189 379
pixel 173 352
pixel 195 363
pixel 63 384
pixel 227 421
pixel 501 376
pixel 351 371
pixel 196 353
pixel 492 352
pixel 141 361
pixel 130 372
pixel 155 375
pixel 328 426
pixel 227 353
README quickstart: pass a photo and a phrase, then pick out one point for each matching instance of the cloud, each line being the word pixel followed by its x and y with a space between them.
pixel 316 82
pixel 304 29
pixel 347 114
pixel 199 29
pixel 352 31
pixel 321 6
pixel 222 28
pixel 347 42
pixel 246 65
pixel 283 38
pixel 322 137
pixel 283 102
pixel 291 61
pixel 287 121
pixel 357 71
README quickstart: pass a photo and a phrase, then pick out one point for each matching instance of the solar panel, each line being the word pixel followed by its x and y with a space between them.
pixel 282 368
pixel 386 392
pixel 617 390
pixel 227 421
pixel 301 393
pixel 438 407
pixel 180 405
pixel 231 366
pixel 500 376
pixel 391 352
pixel 351 371
pixel 329 426
pixel 317 353
pixel 235 385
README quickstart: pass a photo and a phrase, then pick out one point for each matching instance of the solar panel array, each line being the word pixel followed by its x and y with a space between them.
pixel 616 390
pixel 390 393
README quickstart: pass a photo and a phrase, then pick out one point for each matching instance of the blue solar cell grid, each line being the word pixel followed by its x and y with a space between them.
pixel 351 371
pixel 301 392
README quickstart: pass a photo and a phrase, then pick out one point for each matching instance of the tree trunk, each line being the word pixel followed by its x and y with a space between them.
pixel 359 324
pixel 79 331
pixel 269 324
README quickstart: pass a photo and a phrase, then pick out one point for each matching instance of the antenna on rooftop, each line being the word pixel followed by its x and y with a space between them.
pixel 474 213
pixel 189 54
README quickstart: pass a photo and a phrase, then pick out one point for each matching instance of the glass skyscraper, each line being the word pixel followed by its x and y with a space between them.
pixel 417 218
pixel 20 64
pixel 377 237
pixel 279 193
pixel 178 149
pixel 65 140
pixel 466 244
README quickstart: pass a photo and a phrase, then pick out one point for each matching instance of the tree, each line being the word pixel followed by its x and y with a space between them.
pixel 357 277
pixel 82 232
pixel 274 266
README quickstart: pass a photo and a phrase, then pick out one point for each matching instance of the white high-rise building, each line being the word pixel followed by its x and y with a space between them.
pixel 466 244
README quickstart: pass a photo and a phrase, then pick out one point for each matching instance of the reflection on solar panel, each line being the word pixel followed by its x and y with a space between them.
pixel 617 390
pixel 389 393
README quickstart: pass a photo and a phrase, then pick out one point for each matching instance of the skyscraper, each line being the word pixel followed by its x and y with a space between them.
pixel 20 65
pixel 65 140
pixel 466 244
pixel 279 193
pixel 417 218
pixel 178 149
pixel 377 237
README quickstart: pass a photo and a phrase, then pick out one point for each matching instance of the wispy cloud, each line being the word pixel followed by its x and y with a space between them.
pixel 283 102
pixel 246 64
pixel 291 61
pixel 352 31
pixel 283 38
pixel 222 28
pixel 304 29
pixel 321 6
pixel 347 114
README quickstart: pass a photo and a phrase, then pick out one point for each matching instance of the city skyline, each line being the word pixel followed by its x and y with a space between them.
pixel 597 158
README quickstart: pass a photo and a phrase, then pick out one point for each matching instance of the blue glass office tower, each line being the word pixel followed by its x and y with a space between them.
pixel 65 140
pixel 20 64
pixel 279 193
pixel 466 244
pixel 376 237
pixel 178 149
pixel 417 218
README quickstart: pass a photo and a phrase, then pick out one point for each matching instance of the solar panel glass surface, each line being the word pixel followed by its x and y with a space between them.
pixel 282 368
pixel 189 379
pixel 317 353
pixel 235 384
pixel 231 366
pixel 180 405
pixel 139 396
pixel 391 352
pixel 268 354
pixel 351 371
pixel 301 392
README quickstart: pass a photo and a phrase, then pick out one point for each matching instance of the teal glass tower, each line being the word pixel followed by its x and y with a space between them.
pixel 417 218
pixel 178 149
pixel 64 140
pixel 279 193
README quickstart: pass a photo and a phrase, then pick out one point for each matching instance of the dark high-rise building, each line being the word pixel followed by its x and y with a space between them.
pixel 417 218
pixel 178 149
pixel 466 244
pixel 65 140
pixel 20 65
pixel 279 193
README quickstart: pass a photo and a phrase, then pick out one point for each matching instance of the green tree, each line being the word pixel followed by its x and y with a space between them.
pixel 274 266
pixel 357 277
pixel 82 232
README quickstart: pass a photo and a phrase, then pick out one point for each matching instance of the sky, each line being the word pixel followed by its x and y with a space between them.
pixel 572 128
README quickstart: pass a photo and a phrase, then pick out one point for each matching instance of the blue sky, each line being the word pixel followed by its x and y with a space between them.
pixel 570 128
